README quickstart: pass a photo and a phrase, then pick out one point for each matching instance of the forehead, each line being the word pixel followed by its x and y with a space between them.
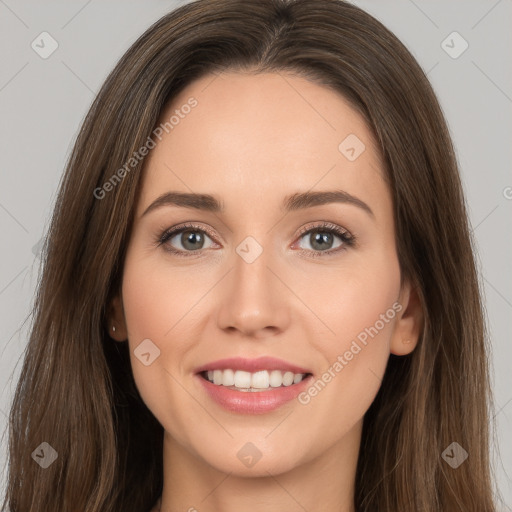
pixel 250 134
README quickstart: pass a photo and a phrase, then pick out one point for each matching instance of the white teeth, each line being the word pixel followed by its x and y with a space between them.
pixel 257 381
pixel 228 378
pixel 217 377
pixel 288 379
pixel 242 379
pixel 260 380
pixel 276 378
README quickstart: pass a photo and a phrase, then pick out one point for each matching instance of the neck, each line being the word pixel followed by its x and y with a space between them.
pixel 324 484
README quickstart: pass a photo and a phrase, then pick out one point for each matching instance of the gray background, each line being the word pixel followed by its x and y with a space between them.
pixel 43 101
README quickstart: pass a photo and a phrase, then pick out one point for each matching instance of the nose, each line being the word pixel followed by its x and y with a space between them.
pixel 254 301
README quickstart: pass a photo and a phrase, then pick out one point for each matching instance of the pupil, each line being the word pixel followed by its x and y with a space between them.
pixel 321 239
pixel 190 237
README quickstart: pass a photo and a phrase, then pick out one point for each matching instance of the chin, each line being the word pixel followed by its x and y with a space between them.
pixel 257 458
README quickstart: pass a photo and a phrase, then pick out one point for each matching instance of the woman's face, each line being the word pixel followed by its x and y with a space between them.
pixel 260 272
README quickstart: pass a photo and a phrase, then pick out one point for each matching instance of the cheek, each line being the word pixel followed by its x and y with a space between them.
pixel 151 308
pixel 158 298
pixel 353 300
pixel 360 311
pixel 144 301
pixel 355 362
pixel 161 303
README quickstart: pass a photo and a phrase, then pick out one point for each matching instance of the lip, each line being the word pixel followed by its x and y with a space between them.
pixel 258 402
pixel 251 365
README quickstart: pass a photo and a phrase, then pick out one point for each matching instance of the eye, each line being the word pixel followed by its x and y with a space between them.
pixel 321 239
pixel 189 239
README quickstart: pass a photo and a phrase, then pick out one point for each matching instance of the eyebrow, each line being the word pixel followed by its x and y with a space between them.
pixel 293 202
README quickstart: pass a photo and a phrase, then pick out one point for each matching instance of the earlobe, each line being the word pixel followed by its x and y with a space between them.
pixel 116 325
pixel 409 322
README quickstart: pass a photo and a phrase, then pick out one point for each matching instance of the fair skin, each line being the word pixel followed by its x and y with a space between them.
pixel 251 141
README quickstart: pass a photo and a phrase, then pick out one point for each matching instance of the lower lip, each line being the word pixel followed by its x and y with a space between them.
pixel 253 402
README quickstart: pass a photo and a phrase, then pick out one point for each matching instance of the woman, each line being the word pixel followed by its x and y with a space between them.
pixel 197 342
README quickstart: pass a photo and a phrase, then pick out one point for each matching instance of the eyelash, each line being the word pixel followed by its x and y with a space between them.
pixel 326 227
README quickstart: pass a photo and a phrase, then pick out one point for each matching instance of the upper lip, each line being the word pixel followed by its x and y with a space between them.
pixel 251 365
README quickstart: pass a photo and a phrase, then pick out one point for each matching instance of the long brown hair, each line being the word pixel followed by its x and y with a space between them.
pixel 76 391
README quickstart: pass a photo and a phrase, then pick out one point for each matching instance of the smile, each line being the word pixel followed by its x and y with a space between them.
pixel 263 380
pixel 252 386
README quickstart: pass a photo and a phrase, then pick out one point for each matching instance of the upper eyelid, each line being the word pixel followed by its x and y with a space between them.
pixel 327 225
pixel 175 230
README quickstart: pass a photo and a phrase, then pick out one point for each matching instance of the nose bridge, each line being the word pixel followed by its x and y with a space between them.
pixel 252 280
pixel 253 299
pixel 251 263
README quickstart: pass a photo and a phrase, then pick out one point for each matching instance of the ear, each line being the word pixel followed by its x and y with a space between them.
pixel 409 321
pixel 115 318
